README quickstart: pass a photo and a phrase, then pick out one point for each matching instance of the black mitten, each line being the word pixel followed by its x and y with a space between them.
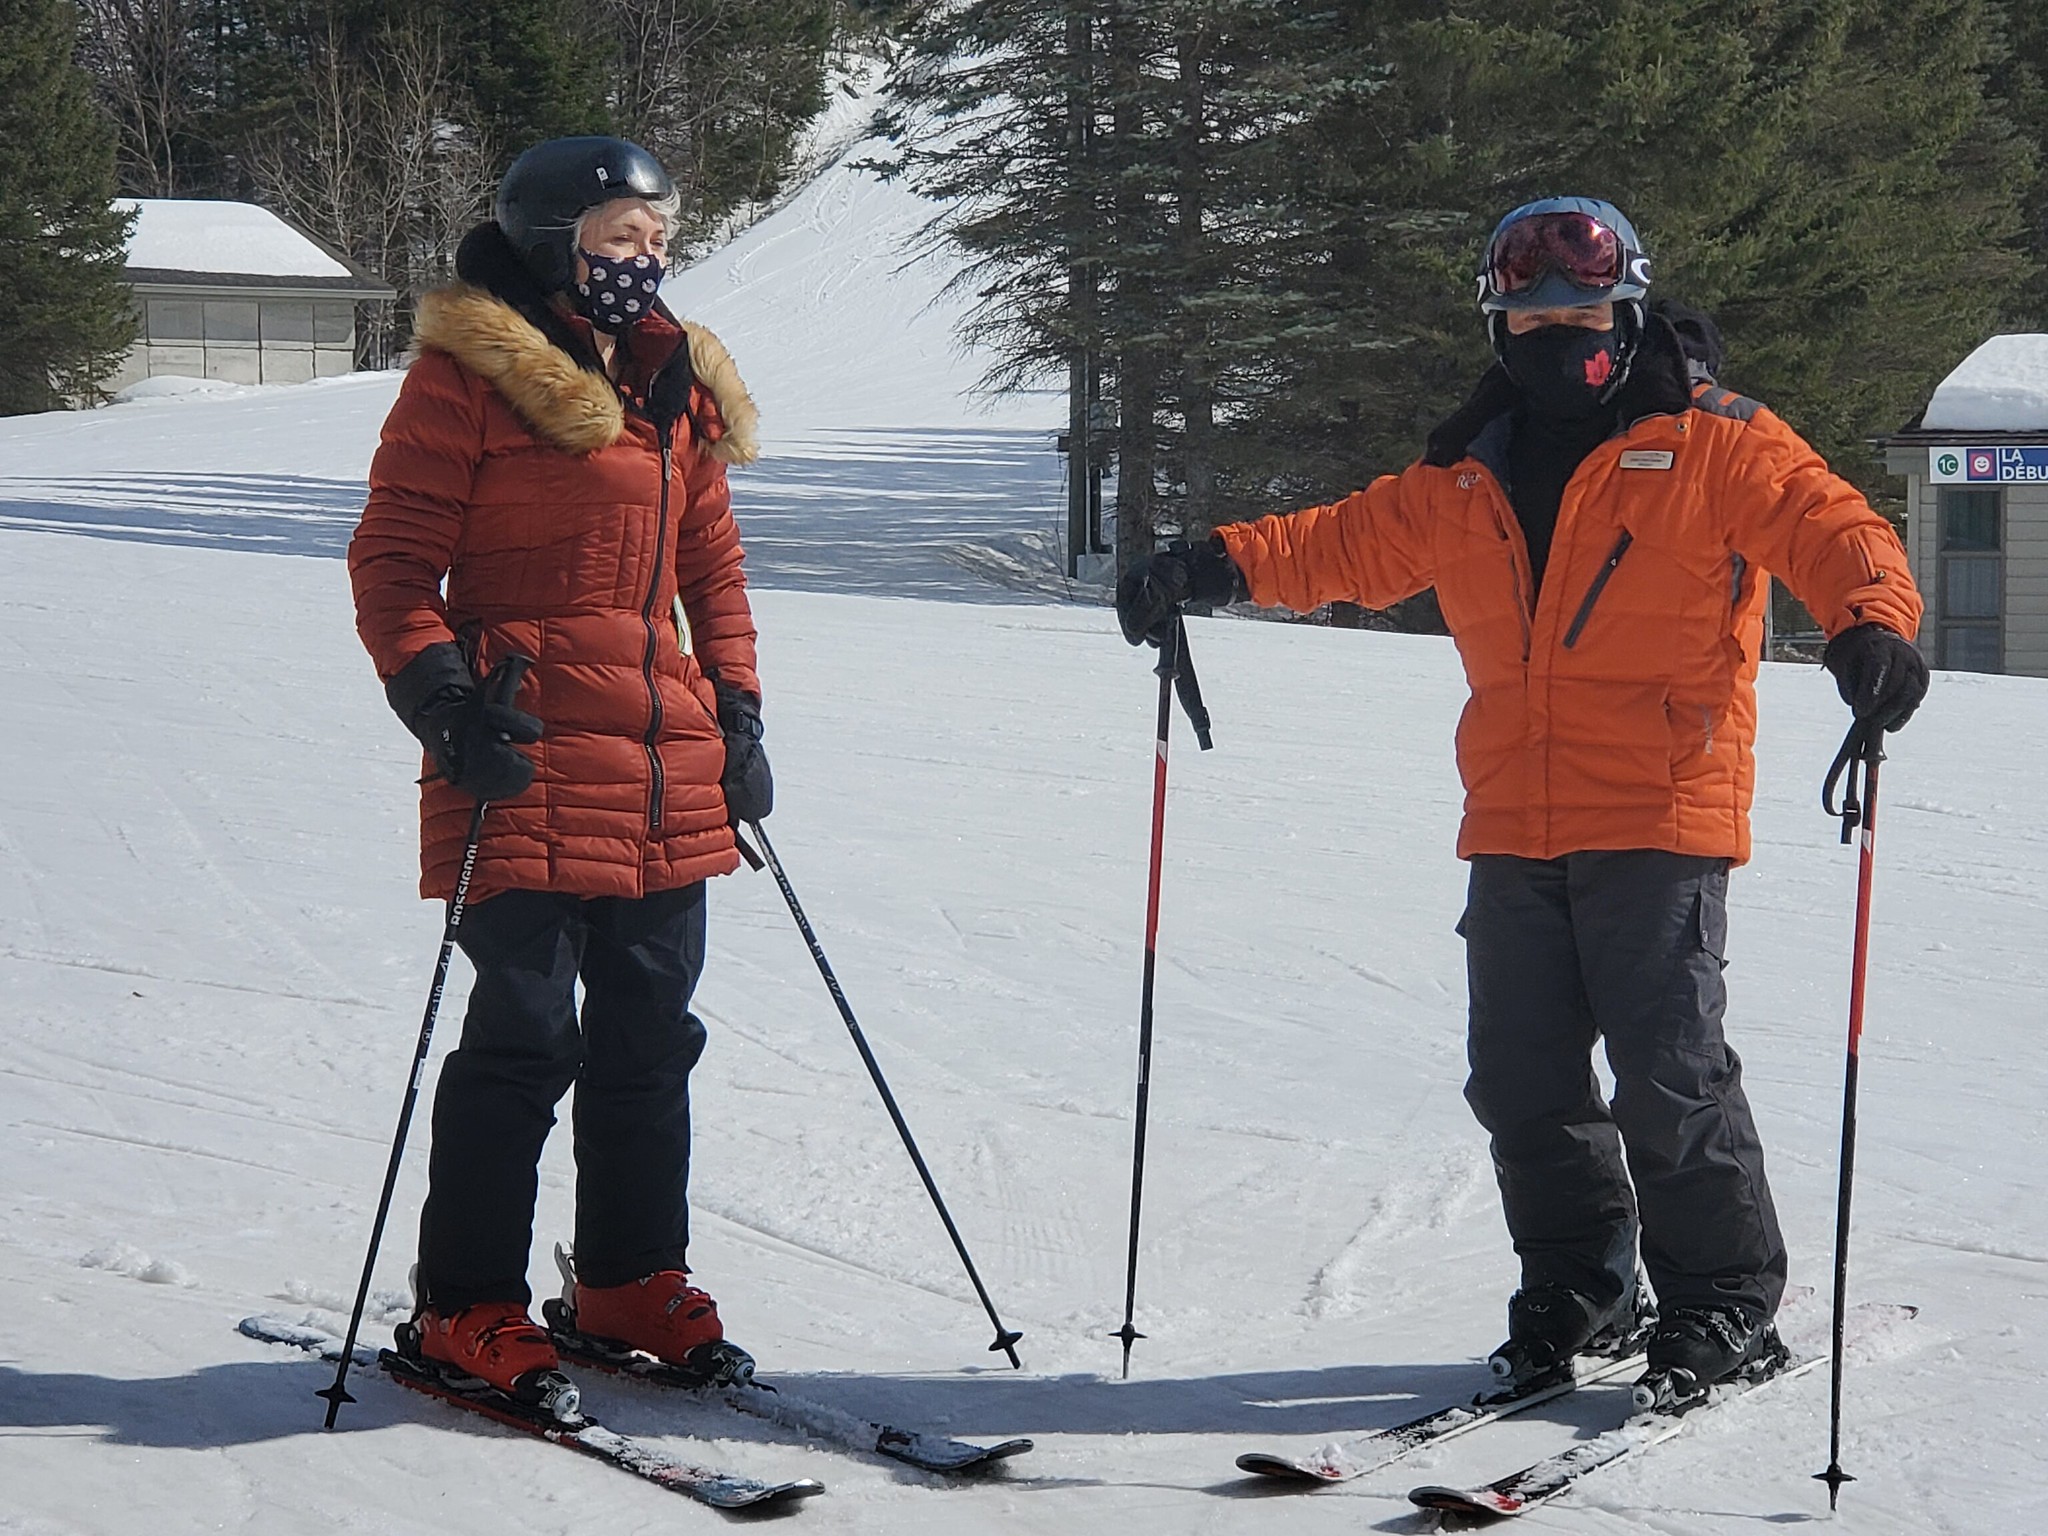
pixel 1156 587
pixel 467 730
pixel 748 785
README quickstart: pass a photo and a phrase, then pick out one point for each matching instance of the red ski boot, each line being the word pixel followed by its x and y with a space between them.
pixel 496 1344
pixel 661 1314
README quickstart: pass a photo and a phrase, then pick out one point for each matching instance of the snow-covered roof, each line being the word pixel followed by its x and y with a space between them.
pixel 189 235
pixel 2000 387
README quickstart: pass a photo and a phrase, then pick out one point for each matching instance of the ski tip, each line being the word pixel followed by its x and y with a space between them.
pixel 1477 1503
pixel 1265 1464
pixel 742 1495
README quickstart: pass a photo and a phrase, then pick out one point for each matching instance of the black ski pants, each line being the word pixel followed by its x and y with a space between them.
pixel 1627 945
pixel 523 1046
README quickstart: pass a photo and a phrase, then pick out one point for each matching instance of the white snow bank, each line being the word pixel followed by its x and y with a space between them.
pixel 2000 387
pixel 178 387
pixel 191 235
pixel 126 1259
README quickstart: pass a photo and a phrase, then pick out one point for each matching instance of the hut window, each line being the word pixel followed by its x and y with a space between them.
pixel 231 320
pixel 334 325
pixel 287 322
pixel 1972 580
pixel 176 320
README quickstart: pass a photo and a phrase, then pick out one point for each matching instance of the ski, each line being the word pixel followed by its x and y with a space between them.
pixel 1542 1481
pixel 1342 1460
pixel 577 1432
pixel 763 1400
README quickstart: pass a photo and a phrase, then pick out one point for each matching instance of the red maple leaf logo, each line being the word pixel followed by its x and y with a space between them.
pixel 1599 368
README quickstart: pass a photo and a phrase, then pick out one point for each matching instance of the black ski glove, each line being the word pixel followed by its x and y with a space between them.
pixel 466 729
pixel 1155 588
pixel 1882 675
pixel 749 787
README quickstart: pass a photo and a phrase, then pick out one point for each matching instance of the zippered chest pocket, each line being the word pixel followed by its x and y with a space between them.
pixel 1599 585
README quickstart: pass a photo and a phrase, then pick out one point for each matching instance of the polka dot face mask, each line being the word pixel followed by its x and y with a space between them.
pixel 620 289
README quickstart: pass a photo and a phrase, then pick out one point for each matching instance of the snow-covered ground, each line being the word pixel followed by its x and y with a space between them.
pixel 213 965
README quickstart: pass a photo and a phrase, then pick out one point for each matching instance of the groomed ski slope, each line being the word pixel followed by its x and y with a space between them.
pixel 213 965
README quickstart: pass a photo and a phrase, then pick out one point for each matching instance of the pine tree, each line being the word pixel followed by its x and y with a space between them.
pixel 67 318
pixel 1832 179
pixel 534 68
pixel 2022 84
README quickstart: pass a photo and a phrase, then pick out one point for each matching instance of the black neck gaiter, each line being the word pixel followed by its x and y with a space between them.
pixel 1544 452
pixel 1564 371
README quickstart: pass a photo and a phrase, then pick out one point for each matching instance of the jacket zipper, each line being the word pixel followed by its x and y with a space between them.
pixel 657 788
pixel 1571 636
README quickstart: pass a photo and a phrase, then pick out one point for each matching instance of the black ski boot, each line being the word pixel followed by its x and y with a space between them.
pixel 1695 1348
pixel 1549 1325
pixel 1629 1330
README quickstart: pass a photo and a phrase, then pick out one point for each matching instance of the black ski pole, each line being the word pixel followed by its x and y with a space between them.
pixel 1176 672
pixel 1864 749
pixel 502 686
pixel 1006 1338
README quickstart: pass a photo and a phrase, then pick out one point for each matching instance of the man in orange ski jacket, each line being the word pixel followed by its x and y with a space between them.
pixel 1599 522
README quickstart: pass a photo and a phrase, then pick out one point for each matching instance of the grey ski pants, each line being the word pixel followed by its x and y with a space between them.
pixel 1627 945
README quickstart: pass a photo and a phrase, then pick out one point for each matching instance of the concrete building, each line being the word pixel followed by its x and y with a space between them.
pixel 231 291
pixel 1975 464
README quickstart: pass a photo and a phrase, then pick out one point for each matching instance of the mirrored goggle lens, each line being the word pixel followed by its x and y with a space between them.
pixel 1576 245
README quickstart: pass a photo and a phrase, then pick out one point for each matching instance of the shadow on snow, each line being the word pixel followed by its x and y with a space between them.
pixel 954 514
pixel 268 1399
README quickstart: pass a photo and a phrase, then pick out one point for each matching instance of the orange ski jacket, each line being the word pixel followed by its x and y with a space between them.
pixel 1618 710
pixel 535 487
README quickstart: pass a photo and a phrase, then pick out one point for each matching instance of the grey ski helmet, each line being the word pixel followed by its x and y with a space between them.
pixel 555 183
pixel 1563 251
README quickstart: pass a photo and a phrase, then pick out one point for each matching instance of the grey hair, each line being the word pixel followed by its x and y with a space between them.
pixel 668 209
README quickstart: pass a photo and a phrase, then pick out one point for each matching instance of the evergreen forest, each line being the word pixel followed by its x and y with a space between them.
pixel 1245 230
pixel 1252 227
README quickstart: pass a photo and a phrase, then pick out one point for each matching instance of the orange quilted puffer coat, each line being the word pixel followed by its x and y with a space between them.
pixel 536 488
pixel 1619 709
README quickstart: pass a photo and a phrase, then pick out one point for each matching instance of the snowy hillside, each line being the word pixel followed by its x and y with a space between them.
pixel 885 472
pixel 213 966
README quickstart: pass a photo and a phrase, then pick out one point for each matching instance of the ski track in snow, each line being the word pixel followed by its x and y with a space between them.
pixel 214 964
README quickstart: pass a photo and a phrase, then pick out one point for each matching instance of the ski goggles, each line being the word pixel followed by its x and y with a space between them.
pixel 1576 246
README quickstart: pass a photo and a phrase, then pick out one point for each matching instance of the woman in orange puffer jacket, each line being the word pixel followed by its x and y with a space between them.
pixel 1599 523
pixel 558 454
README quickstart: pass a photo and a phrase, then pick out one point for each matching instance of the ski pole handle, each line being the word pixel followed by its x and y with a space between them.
pixel 1863 747
pixel 506 679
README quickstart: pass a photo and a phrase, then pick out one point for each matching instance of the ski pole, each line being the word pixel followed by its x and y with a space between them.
pixel 1864 749
pixel 1176 673
pixel 501 687
pixel 1006 1338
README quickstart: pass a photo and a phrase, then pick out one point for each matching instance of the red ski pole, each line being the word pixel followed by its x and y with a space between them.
pixel 1175 671
pixel 1864 750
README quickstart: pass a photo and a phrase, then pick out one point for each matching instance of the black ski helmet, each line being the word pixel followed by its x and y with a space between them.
pixel 555 183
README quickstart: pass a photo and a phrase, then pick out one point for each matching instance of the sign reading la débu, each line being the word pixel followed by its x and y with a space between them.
pixel 1988 466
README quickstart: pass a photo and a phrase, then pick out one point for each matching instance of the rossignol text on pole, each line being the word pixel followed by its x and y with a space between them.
pixel 502 687
pixel 1176 671
pixel 1006 1338
pixel 1862 750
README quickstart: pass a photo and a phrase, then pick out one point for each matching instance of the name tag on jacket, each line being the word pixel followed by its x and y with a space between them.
pixel 1646 458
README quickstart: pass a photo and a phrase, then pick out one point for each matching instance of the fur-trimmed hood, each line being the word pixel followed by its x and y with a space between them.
pixel 500 326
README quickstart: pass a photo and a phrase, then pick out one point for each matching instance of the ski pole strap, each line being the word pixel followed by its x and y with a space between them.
pixel 1863 746
pixel 1185 684
pixel 754 860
